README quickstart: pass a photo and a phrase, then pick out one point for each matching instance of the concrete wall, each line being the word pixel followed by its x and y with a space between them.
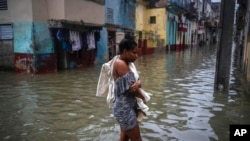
pixel 18 11
pixel 40 10
pixel 56 9
pixel 140 16
pixel 19 15
pixel 89 12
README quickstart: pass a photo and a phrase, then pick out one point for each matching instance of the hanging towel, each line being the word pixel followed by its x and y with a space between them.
pixel 75 39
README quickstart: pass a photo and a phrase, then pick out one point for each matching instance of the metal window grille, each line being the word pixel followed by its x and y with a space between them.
pixel 3 5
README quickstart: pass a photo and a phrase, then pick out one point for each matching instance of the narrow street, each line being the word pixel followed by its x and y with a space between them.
pixel 184 107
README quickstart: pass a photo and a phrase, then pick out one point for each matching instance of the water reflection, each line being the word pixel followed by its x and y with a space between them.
pixel 184 107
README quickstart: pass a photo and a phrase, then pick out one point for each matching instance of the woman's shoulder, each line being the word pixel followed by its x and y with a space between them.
pixel 120 65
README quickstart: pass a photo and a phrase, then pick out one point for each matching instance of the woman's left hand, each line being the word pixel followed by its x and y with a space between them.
pixel 135 86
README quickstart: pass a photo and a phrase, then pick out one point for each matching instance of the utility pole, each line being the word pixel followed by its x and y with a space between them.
pixel 224 51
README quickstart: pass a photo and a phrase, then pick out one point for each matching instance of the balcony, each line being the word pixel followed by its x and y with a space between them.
pixel 181 6
pixel 155 3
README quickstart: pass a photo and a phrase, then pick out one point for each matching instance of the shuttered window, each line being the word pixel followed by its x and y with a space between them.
pixel 6 32
pixel 3 5
pixel 110 15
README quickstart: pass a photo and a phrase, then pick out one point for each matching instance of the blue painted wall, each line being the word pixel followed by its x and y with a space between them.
pixel 127 13
pixel 33 48
pixel 23 37
pixel 171 29
pixel 123 12
pixel 42 38
pixel 102 49
pixel 123 16
pixel 31 37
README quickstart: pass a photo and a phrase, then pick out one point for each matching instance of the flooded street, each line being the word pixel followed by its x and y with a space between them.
pixel 184 107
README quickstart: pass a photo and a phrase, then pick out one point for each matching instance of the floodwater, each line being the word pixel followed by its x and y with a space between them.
pixel 183 106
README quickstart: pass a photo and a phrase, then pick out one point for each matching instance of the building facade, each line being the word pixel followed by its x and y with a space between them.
pixel 42 35
pixel 151 22
pixel 242 37
pixel 119 20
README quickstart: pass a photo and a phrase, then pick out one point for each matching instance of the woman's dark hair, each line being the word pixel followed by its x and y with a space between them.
pixel 128 43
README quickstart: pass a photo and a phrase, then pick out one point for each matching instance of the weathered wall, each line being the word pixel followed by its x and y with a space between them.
pixel 40 10
pixel 33 48
pixel 127 13
pixel 159 28
pixel 56 9
pixel 89 12
pixel 140 15
pixel 19 11
pixel 114 5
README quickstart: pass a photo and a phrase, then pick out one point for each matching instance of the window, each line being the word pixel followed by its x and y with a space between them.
pixel 6 32
pixel 3 5
pixel 152 20
pixel 110 15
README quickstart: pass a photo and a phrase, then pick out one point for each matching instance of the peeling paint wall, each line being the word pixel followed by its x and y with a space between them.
pixel 42 39
pixel 23 37
pixel 33 48
pixel 158 30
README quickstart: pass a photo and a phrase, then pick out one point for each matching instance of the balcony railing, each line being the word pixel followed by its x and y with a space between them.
pixel 181 3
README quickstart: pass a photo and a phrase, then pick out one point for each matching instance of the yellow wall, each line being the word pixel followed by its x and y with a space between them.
pixel 140 15
pixel 157 29
pixel 142 24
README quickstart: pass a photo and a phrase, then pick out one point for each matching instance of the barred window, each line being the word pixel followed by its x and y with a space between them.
pixel 3 5
pixel 6 32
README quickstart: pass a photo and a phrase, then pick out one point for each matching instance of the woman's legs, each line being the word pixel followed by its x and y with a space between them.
pixel 123 136
pixel 132 134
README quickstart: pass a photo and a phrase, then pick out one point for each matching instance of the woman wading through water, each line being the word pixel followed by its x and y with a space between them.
pixel 126 90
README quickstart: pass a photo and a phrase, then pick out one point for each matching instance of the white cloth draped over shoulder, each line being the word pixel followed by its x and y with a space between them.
pixel 105 85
